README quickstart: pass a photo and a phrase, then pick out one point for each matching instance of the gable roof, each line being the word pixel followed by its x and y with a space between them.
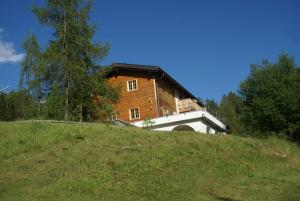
pixel 116 67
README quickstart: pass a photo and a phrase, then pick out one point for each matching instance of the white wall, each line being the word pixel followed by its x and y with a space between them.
pixel 198 120
pixel 198 126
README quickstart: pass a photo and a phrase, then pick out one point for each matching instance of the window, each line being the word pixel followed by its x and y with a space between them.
pixel 132 85
pixel 134 113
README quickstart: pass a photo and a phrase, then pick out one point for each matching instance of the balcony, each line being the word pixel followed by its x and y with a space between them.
pixel 188 105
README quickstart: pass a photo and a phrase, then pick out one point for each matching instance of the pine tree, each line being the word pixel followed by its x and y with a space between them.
pixel 71 62
pixel 231 109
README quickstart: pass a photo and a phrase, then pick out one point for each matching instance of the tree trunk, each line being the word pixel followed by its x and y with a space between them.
pixel 66 72
pixel 81 116
pixel 67 102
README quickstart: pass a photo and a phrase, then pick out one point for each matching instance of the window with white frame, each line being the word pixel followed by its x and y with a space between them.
pixel 134 113
pixel 132 85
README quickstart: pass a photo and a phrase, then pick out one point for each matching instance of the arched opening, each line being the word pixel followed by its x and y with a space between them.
pixel 183 128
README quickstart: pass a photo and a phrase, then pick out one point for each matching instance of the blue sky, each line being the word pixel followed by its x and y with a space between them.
pixel 207 46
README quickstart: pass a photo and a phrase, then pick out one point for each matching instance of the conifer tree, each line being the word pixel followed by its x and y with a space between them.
pixel 70 63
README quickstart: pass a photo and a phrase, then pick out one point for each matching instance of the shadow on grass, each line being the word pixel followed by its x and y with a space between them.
pixel 222 198
pixel 225 199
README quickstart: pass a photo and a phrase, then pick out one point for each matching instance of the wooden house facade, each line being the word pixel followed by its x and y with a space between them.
pixel 148 92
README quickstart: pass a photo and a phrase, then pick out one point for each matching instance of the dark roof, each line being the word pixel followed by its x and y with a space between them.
pixel 152 69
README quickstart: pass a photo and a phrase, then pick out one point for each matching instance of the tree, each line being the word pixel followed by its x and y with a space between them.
pixel 17 105
pixel 54 104
pixel 3 111
pixel 69 65
pixel 212 106
pixel 30 68
pixel 32 75
pixel 271 95
pixel 231 109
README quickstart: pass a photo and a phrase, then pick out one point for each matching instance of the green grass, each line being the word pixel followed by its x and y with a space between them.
pixel 55 161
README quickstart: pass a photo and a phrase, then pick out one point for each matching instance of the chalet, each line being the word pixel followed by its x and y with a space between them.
pixel 149 94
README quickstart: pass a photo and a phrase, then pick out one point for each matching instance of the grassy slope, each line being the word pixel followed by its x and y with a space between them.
pixel 44 161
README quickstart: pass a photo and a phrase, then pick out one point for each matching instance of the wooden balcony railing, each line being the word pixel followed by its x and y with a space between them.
pixel 188 105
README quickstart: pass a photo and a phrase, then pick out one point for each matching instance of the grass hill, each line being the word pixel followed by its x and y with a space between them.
pixel 56 161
